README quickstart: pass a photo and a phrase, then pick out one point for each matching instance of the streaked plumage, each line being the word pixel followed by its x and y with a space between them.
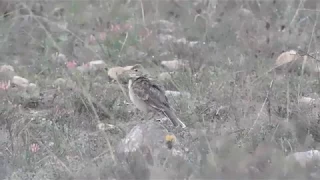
pixel 147 96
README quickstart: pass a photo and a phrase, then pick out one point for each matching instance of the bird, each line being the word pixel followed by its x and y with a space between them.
pixel 147 96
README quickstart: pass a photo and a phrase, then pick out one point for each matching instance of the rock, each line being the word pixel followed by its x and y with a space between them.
pixel 303 158
pixel 292 62
pixel 59 82
pixel 286 57
pixel 6 68
pixel 175 65
pixel 177 93
pixel 33 90
pixel 164 26
pixel 186 42
pixel 103 126
pixel 164 38
pixel 245 13
pixel 147 144
pixel 306 100
pixel 115 72
pixel 32 85
pixel 97 65
pixel 20 81
pixel 165 76
pixel 193 43
pixel 6 73
pixel 59 58
pixel 189 43
pixel 167 38
pixel 164 54
pixel 83 68
pixel 181 40
pixel 92 66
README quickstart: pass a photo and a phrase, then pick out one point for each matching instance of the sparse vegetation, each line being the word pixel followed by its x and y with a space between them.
pixel 247 110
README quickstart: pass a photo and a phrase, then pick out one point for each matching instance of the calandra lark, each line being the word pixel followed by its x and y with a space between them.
pixel 149 97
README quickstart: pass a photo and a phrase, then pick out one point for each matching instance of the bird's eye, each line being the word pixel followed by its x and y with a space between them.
pixel 136 70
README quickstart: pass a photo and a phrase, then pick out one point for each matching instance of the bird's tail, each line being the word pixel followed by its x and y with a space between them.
pixel 173 117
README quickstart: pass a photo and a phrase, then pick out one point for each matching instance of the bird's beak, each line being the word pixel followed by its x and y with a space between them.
pixel 133 75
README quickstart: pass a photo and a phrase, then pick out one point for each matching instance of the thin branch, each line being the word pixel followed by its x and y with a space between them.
pixel 142 13
pixel 259 114
pixel 125 40
pixel 288 101
pixel 297 11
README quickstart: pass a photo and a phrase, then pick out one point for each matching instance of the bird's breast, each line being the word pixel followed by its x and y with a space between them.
pixel 139 103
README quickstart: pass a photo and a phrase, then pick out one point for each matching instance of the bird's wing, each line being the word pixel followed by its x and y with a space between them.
pixel 151 93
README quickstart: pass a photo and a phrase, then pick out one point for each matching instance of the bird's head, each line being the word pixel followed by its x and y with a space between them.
pixel 136 71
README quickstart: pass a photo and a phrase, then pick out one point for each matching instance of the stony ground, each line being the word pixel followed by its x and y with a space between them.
pixel 62 113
